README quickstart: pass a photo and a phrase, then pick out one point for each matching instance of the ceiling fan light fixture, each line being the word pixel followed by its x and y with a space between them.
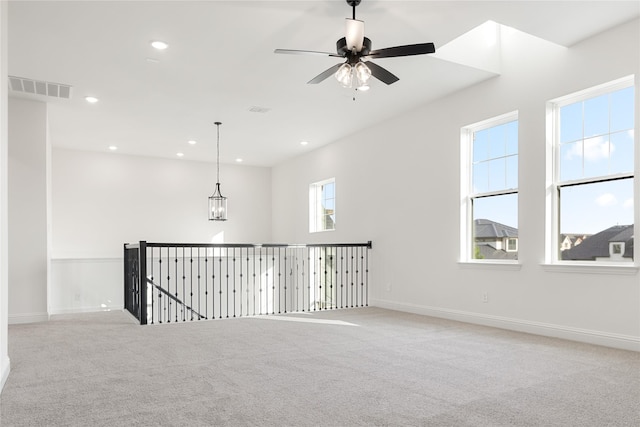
pixel 354 34
pixel 343 75
pixel 363 73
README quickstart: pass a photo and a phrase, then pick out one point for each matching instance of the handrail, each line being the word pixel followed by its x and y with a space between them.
pixel 176 299
pixel 249 245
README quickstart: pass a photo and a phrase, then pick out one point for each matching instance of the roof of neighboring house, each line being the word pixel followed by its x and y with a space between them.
pixel 485 228
pixel 597 245
pixel 573 237
pixel 487 251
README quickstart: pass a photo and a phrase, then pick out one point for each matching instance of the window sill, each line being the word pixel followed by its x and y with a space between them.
pixel 491 265
pixel 621 269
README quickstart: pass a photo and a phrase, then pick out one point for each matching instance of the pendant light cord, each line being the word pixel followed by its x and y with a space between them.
pixel 218 154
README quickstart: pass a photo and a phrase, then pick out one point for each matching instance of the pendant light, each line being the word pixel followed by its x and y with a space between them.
pixel 217 202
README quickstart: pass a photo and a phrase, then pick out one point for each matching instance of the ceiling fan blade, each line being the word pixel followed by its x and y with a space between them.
pixel 306 52
pixel 323 75
pixel 381 74
pixel 406 50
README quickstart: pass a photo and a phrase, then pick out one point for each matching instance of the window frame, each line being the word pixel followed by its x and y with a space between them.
pixel 315 200
pixel 467 132
pixel 554 184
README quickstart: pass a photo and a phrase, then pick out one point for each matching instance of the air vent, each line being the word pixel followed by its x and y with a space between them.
pixel 38 87
pixel 255 109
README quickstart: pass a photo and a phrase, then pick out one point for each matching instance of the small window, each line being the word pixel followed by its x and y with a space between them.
pixel 489 177
pixel 322 206
pixel 592 174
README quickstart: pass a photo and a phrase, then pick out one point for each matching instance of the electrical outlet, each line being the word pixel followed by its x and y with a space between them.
pixel 388 287
pixel 485 297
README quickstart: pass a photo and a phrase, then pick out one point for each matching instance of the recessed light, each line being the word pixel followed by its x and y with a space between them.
pixel 179 154
pixel 239 160
pixel 304 142
pixel 113 148
pixel 91 99
pixel 160 45
pixel 192 142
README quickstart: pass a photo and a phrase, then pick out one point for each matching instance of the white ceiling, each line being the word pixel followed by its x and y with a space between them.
pixel 220 63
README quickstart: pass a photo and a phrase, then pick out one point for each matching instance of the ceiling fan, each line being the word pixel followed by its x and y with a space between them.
pixel 356 49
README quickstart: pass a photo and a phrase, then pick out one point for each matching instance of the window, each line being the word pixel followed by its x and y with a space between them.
pixel 489 218
pixel 592 174
pixel 322 206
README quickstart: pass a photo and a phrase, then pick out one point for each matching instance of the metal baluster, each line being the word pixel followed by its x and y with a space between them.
pixel 356 249
pixel 279 281
pixel 315 277
pixel 362 277
pixel 234 283
pixel 227 296
pixel 260 282
pixel 184 297
pixel 331 267
pixel 335 274
pixel 191 280
pixel 351 277
pixel 176 279
pixel 285 278
pixel 322 278
pixel 160 300
pixel 273 279
pixel 254 280
pixel 152 292
pixel 220 282
pixel 247 291
pixel 206 283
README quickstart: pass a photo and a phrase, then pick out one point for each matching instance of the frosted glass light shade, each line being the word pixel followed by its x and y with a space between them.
pixel 344 75
pixel 354 34
pixel 363 73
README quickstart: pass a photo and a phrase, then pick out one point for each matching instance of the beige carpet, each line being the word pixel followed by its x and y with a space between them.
pixel 359 367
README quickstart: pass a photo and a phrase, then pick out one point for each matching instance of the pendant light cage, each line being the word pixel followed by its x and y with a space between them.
pixel 217 202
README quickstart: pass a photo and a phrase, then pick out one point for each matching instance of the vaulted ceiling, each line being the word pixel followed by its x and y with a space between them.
pixel 220 66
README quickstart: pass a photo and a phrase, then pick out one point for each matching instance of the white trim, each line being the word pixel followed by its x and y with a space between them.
pixel 5 369
pixel 16 319
pixel 93 309
pixel 625 342
pixel 466 180
pixel 85 260
pixel 491 265
pixel 552 158
pixel 629 269
pixel 594 91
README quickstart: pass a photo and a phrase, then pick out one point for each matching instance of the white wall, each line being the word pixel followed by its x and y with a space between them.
pixel 4 229
pixel 398 184
pixel 27 210
pixel 103 200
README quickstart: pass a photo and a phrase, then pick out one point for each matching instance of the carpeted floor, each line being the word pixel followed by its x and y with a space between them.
pixel 360 367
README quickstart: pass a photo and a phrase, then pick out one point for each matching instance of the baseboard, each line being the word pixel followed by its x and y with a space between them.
pixel 86 309
pixel 15 319
pixel 624 342
pixel 4 372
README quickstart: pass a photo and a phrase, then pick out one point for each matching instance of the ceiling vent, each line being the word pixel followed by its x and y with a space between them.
pixel 37 87
pixel 256 109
